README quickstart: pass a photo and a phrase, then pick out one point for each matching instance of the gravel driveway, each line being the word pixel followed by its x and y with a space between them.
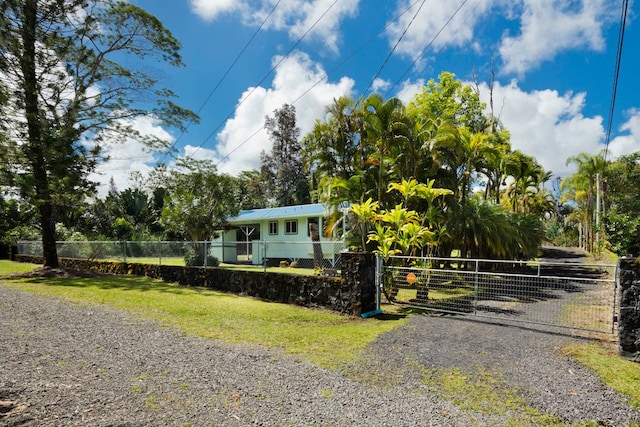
pixel 69 364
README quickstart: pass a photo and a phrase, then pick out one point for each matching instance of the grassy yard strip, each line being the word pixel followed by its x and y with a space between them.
pixel 8 267
pixel 618 373
pixel 324 337
pixel 485 392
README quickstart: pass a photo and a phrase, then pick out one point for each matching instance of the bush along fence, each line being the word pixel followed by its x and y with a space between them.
pixel 354 293
pixel 629 312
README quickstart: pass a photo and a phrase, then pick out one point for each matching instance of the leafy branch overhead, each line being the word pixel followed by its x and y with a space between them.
pixel 77 74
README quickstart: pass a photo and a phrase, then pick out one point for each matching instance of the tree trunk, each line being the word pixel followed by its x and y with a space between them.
pixel 318 257
pixel 49 249
pixel 35 142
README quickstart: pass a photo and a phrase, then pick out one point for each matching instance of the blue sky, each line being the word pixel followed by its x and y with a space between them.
pixel 554 66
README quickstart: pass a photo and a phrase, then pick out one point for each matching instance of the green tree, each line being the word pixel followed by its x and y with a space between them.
pixel 16 221
pixel 332 148
pixel 282 170
pixel 451 102
pixel 383 126
pixel 251 194
pixel 442 139
pixel 622 216
pixel 580 188
pixel 67 91
pixel 122 229
pixel 199 201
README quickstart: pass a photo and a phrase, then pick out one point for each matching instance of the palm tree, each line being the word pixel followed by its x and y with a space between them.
pixel 483 229
pixel 332 147
pixel 527 176
pixel 581 187
pixel 383 126
pixel 366 214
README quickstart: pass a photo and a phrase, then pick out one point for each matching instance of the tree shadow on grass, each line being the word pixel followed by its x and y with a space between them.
pixel 123 283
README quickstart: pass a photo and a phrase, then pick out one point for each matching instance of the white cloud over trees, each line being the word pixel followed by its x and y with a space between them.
pixel 549 27
pixel 242 139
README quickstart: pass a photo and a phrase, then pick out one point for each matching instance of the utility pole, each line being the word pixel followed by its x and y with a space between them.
pixel 598 203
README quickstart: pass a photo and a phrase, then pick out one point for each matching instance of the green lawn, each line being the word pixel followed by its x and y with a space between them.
pixel 244 267
pixel 321 336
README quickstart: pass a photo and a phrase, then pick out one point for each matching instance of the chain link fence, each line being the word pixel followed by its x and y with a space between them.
pixel 324 255
pixel 569 295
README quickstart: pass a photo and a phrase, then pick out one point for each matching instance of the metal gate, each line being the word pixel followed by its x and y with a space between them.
pixel 559 294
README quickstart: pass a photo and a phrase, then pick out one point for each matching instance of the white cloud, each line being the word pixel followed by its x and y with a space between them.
pixel 549 27
pixel 409 89
pixel 629 142
pixel 546 124
pixel 128 156
pixel 211 9
pixel 296 17
pixel 293 83
pixel 306 13
pixel 380 85
pixel 430 20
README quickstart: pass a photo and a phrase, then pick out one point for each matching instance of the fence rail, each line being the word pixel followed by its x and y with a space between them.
pixel 322 255
pixel 567 295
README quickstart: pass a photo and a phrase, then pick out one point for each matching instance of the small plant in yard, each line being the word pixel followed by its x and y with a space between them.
pixel 195 258
pixel 152 403
pixel 327 394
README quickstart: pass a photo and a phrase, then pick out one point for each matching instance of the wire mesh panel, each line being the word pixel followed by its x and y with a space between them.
pixel 579 296
pixel 99 250
pixel 323 255
pixel 32 248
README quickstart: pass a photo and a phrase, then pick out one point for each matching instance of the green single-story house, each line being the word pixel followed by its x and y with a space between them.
pixel 268 236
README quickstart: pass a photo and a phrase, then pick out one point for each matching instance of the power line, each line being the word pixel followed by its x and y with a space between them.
pixel 357 50
pixel 242 101
pixel 393 49
pixel 223 77
pixel 333 69
pixel 616 74
pixel 426 47
pixel 330 72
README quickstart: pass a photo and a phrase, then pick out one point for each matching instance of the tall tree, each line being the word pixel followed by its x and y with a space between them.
pixel 199 201
pixel 384 125
pixel 250 190
pixel 282 168
pixel 67 92
pixel 622 216
pixel 332 147
pixel 581 187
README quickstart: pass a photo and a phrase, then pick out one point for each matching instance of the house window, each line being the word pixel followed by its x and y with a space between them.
pixel 273 228
pixel 291 226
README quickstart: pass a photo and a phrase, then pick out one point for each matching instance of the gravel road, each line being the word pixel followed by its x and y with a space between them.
pixel 69 364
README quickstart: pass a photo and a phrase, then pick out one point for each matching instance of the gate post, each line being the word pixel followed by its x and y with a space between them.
pixel 629 317
pixel 359 270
